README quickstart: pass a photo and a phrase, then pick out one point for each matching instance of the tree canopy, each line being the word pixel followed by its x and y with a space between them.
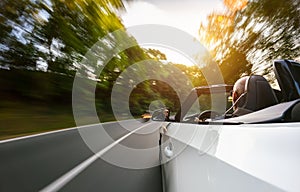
pixel 249 35
pixel 54 35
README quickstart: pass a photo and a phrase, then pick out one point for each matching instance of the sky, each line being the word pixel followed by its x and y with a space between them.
pixel 185 15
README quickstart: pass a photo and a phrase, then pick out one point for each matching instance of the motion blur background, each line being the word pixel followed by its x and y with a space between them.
pixel 42 44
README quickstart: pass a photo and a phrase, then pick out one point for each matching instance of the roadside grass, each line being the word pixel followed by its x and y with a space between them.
pixel 22 119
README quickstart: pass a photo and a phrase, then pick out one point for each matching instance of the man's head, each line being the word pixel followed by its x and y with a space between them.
pixel 167 113
pixel 239 89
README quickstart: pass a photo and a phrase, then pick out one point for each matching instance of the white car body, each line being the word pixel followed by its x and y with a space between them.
pixel 246 157
pixel 256 151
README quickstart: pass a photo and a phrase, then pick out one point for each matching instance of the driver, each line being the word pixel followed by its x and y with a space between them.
pixel 167 114
pixel 239 90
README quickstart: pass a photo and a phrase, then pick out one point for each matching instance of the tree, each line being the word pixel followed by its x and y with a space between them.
pixel 269 34
pixel 250 34
pixel 56 32
pixel 156 54
pixel 218 36
pixel 17 42
pixel 77 25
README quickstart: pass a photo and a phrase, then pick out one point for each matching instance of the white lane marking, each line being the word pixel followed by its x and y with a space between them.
pixel 57 131
pixel 64 179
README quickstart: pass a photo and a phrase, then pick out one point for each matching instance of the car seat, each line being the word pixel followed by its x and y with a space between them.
pixel 258 94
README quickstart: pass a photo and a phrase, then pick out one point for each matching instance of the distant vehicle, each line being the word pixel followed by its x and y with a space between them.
pixel 206 149
pixel 146 116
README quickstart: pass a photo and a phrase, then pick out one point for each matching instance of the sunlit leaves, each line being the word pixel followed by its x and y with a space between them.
pixel 235 5
pixel 271 31
pixel 156 54
pixel 215 35
pixel 218 36
pixel 255 32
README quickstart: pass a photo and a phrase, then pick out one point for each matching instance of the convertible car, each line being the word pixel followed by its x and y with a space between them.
pixel 205 148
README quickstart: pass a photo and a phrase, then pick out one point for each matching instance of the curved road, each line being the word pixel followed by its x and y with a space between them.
pixel 61 161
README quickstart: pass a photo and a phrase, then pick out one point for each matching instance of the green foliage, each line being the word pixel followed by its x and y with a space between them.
pixel 17 43
pixel 248 39
pixel 152 90
pixel 193 73
pixel 77 26
pixel 156 54
pixel 57 32
pixel 270 31
pixel 218 36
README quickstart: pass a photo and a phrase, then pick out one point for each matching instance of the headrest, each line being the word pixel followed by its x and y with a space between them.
pixel 259 94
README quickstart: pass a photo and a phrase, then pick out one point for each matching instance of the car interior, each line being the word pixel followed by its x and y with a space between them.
pixel 259 95
pixel 259 104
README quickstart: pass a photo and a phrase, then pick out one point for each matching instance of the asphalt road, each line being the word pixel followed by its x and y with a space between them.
pixel 62 161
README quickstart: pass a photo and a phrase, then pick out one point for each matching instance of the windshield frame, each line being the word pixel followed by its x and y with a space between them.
pixel 196 93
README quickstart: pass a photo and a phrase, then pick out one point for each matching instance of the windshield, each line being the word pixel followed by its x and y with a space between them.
pixel 204 102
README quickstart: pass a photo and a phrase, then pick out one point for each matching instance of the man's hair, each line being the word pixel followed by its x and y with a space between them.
pixel 239 86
